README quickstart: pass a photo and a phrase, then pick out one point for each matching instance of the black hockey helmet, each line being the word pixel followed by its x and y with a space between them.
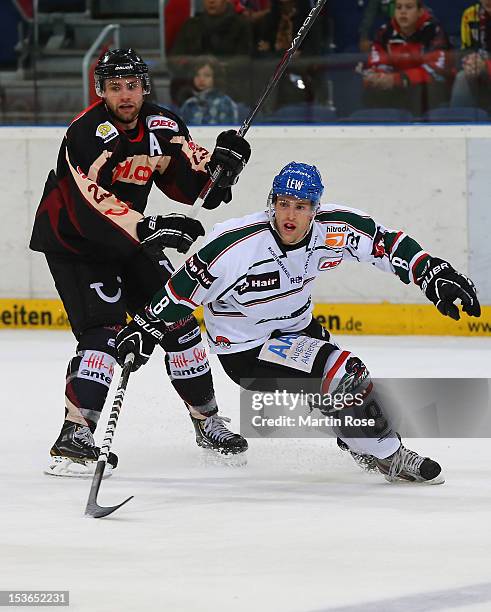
pixel 120 63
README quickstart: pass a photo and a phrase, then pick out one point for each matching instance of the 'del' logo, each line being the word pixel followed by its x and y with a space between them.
pixel 157 122
pixel 335 240
pixel 327 264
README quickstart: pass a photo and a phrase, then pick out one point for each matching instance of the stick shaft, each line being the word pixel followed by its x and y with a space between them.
pixel 281 67
pixel 92 508
pixel 278 73
pixel 116 408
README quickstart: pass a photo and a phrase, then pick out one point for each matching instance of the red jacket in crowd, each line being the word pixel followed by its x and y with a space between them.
pixel 423 57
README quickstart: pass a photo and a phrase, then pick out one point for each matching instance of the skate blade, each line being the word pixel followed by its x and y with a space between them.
pixel 214 458
pixel 440 479
pixel 71 468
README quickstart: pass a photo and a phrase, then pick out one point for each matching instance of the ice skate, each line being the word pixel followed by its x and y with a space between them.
pixel 367 463
pixel 211 433
pixel 406 465
pixel 75 455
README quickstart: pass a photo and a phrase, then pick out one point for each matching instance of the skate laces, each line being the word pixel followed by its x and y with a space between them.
pixel 405 459
pixel 84 435
pixel 214 427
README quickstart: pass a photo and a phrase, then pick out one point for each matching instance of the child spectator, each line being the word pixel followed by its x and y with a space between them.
pixel 207 105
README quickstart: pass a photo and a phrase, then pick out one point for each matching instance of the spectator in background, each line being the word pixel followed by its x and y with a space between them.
pixel 282 22
pixel 304 80
pixel 373 9
pixel 252 9
pixel 409 65
pixel 218 31
pixel 473 83
pixel 207 105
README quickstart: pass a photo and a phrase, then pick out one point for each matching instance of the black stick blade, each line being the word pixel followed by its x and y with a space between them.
pixel 93 509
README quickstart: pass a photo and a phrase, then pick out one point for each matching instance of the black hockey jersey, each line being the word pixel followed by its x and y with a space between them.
pixel 92 203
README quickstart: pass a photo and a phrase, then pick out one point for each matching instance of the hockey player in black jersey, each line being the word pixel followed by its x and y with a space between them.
pixel 254 276
pixel 107 258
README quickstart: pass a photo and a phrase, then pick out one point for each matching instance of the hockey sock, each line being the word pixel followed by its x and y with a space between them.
pixel 89 376
pixel 363 425
pixel 189 369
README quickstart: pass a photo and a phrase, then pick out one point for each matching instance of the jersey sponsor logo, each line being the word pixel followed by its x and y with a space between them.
pixel 335 240
pixel 260 282
pixel 337 229
pixel 157 122
pixel 132 171
pixel 336 235
pixel 189 336
pixel 189 363
pixel 97 366
pixel 198 271
pixel 110 299
pixel 296 280
pixel 222 342
pixel 378 249
pixel 292 351
pixel 328 263
pixel 106 131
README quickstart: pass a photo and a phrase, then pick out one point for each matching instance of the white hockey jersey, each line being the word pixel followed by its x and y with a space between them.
pixel 252 285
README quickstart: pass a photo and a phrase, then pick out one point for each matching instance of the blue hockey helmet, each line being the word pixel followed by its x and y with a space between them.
pixel 302 181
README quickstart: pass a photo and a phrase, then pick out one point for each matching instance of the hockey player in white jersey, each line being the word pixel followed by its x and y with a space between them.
pixel 254 277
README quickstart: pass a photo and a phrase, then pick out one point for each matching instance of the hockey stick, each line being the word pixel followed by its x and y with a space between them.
pixel 93 509
pixel 278 73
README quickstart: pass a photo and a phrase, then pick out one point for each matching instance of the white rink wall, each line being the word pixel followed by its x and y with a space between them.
pixel 431 181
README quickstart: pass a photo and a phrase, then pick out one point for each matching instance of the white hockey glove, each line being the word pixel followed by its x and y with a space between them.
pixel 442 285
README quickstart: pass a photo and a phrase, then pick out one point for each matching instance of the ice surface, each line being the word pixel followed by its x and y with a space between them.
pixel 299 529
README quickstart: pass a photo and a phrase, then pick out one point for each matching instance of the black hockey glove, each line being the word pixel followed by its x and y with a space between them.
pixel 139 337
pixel 442 285
pixel 232 152
pixel 174 231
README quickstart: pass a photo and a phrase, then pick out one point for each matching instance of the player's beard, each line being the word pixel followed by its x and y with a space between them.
pixel 125 119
